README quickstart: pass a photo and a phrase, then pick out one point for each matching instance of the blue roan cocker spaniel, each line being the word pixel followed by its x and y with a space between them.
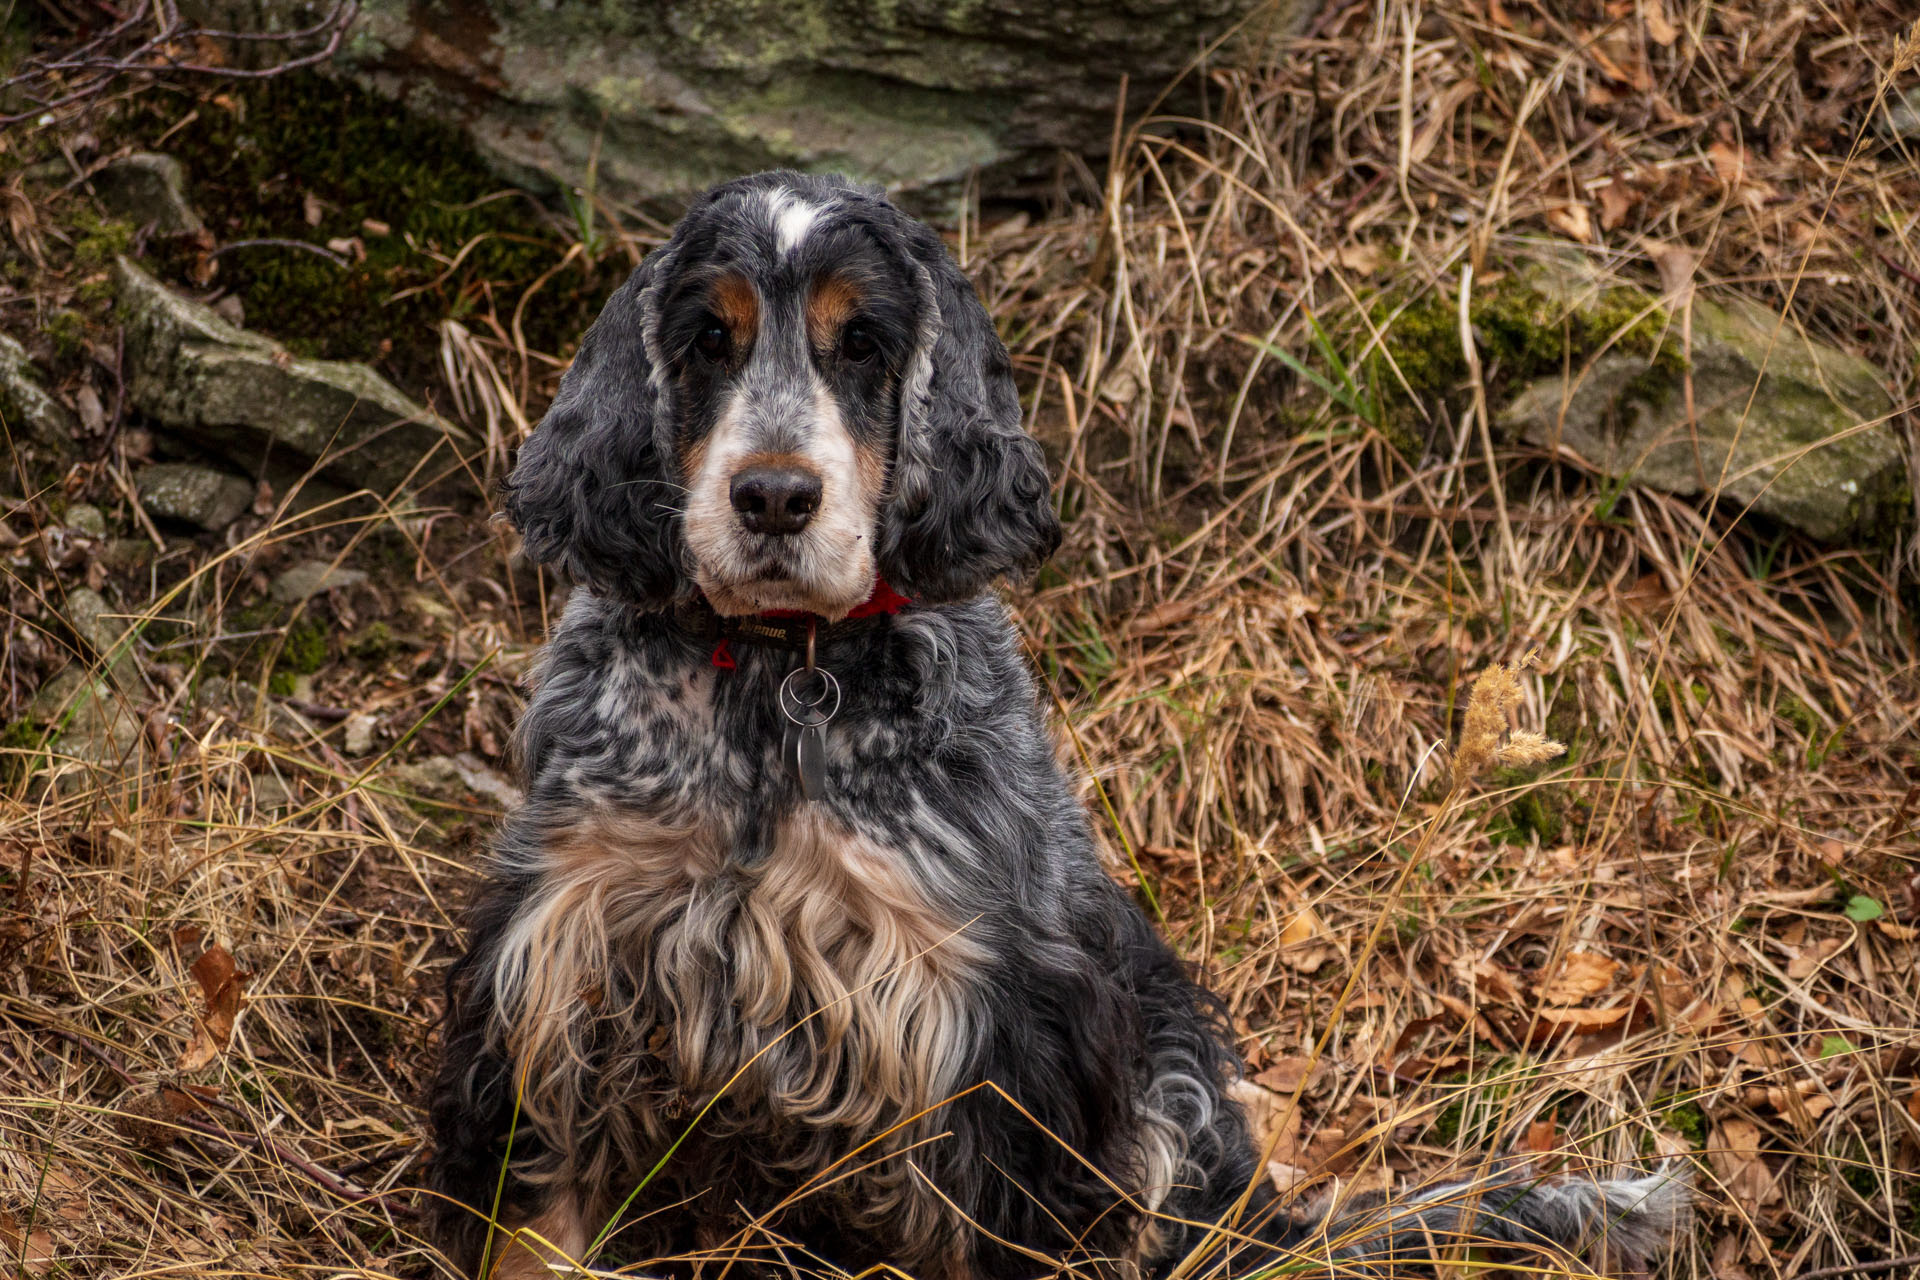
pixel 799 951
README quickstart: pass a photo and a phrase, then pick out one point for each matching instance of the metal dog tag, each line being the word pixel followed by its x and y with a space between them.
pixel 809 699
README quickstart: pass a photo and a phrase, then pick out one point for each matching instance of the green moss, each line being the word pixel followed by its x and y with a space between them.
pixel 1424 342
pixel 67 330
pixel 1684 1116
pixel 1798 714
pixel 1522 332
pixel 98 241
pixel 305 651
pixel 1475 1116
pixel 374 641
pixel 21 744
pixel 307 143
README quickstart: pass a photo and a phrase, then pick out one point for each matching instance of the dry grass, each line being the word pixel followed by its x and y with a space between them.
pixel 1260 635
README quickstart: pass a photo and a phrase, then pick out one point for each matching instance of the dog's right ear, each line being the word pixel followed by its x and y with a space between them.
pixel 594 493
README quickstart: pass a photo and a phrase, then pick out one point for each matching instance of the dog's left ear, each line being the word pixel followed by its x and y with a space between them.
pixel 594 490
pixel 970 498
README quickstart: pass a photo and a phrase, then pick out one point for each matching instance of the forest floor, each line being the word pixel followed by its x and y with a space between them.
pixel 1694 935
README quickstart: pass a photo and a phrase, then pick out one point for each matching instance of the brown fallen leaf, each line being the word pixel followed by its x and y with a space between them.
pixel 1729 161
pixel 1617 200
pixel 1275 1123
pixel 1543 1136
pixel 1726 1264
pixel 1579 975
pixel 1733 166
pixel 1495 983
pixel 1803 1109
pixel 1303 925
pixel 1744 1175
pixel 1288 1074
pixel 220 981
pixel 1620 62
pixel 1287 1179
pixel 1814 956
pixel 29 1252
pixel 1165 616
pixel 1660 28
pixel 1363 258
pixel 1572 220
pixel 152 1120
pixel 1297 941
pixel 1550 1024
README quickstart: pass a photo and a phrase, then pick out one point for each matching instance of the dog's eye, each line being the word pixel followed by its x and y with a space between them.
pixel 712 340
pixel 857 343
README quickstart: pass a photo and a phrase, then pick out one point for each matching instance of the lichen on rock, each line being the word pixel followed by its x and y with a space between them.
pixel 246 398
pixel 1799 431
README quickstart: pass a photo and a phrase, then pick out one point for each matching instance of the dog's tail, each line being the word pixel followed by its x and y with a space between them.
pixel 1624 1222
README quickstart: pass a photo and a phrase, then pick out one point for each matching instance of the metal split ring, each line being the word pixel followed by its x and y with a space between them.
pixel 805 711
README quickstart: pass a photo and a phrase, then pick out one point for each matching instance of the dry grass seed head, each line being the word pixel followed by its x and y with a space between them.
pixel 1486 738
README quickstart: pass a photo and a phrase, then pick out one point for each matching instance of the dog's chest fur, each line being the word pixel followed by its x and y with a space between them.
pixel 663 956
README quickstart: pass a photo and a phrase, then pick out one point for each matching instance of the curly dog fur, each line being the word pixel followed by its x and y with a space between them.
pixel 912 1022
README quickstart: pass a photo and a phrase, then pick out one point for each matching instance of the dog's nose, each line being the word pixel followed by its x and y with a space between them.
pixel 776 500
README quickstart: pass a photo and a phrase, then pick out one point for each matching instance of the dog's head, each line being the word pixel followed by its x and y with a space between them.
pixel 795 394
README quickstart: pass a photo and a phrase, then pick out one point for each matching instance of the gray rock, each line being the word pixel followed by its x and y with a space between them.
pixel 1901 116
pixel 109 637
pixel 89 722
pixel 24 399
pixel 271 793
pixel 311 577
pixel 87 519
pixel 240 700
pixel 662 100
pixel 193 495
pixel 458 779
pixel 126 555
pixel 360 729
pixel 247 398
pixel 1816 451
pixel 149 190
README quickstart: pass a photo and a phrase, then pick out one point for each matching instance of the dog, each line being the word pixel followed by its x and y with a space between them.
pixel 799 952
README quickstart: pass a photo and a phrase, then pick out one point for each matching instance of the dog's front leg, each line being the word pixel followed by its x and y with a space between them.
pixel 552 1239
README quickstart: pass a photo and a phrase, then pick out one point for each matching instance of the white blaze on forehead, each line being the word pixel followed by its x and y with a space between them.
pixel 792 218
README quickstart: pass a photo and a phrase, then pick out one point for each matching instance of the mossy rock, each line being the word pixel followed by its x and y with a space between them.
pixel 661 101
pixel 245 397
pixel 313 157
pixel 192 494
pixel 24 398
pixel 1807 442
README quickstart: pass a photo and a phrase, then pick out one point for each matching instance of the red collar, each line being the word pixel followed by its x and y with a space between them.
pixel 787 628
pixel 883 600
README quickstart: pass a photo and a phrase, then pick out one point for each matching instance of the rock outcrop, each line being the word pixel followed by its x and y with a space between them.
pixel 195 495
pixel 26 406
pixel 149 190
pixel 1815 447
pixel 663 100
pixel 248 399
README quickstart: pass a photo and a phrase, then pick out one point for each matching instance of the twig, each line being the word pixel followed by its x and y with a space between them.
pixel 274 242
pixel 317 710
pixel 154 55
pixel 320 1177
pixel 1862 1268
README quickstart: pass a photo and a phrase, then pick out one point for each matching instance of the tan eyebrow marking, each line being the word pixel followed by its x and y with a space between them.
pixel 737 304
pixel 832 302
